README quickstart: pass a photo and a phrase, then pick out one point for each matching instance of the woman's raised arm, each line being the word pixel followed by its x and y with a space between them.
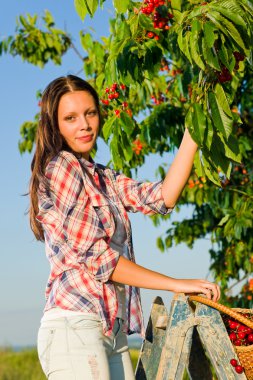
pixel 179 171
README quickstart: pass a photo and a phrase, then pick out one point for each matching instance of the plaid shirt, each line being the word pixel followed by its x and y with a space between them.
pixel 74 210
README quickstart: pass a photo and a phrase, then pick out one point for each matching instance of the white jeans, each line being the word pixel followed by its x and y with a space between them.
pixel 74 348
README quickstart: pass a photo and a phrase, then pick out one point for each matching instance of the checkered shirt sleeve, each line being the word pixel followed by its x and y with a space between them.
pixel 145 197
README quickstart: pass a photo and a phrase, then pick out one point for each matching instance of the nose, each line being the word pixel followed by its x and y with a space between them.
pixel 84 124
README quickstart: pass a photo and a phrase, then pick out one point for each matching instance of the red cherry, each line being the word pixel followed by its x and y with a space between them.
pixel 111 96
pixel 157 38
pixel 129 112
pixel 248 330
pixel 233 362
pixel 241 335
pixel 150 34
pixel 117 112
pixel 116 95
pixel 123 87
pixel 239 369
pixel 124 104
pixel 232 336
pixel 242 328
pixel 107 90
pixel 238 56
pixel 105 101
pixel 237 342
pixel 233 325
pixel 250 338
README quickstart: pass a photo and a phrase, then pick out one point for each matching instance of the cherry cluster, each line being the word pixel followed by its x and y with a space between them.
pixel 116 92
pixel 158 100
pixel 156 10
pixel 137 146
pixel 196 183
pixel 224 75
pixel 238 58
pixel 164 65
pixel 238 367
pixel 239 334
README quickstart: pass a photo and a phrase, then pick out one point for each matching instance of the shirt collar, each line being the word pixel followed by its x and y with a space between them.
pixel 90 165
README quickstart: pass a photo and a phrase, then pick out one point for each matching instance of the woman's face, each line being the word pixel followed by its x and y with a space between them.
pixel 78 120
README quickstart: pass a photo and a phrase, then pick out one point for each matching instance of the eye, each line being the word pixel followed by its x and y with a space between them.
pixel 69 118
pixel 92 113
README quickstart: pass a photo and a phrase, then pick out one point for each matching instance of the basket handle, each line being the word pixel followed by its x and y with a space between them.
pixel 223 309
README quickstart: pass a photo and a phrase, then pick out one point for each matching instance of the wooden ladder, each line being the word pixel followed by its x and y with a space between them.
pixel 177 341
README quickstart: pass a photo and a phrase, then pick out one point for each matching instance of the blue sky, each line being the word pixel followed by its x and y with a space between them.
pixel 24 268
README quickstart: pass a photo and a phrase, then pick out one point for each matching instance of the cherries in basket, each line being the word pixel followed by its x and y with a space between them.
pixel 239 334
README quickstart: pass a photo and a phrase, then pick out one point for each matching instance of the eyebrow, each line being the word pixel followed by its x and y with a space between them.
pixel 92 108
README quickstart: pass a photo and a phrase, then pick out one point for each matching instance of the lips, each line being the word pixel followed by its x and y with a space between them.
pixel 87 138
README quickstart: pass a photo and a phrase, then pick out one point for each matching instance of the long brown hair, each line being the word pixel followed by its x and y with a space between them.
pixel 49 141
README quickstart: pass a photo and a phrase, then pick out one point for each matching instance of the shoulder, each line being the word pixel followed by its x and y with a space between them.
pixel 64 159
pixel 64 163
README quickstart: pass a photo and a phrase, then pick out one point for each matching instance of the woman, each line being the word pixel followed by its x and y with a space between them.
pixel 79 209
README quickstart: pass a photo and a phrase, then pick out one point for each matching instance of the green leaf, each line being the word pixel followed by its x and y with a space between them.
pixel 81 8
pixel 194 47
pixel 199 121
pixel 91 6
pixel 231 146
pixel 224 220
pixel 183 42
pixel 222 99
pixel 121 6
pixel 114 147
pixel 210 57
pixel 126 122
pixel 198 165
pixel 126 146
pixel 208 139
pixel 100 81
pixel 228 28
pixel 176 4
pixel 233 16
pixel 211 172
pixel 107 127
pixel 145 133
pixel 222 122
pixel 123 30
pixel 145 22
pixel 160 244
pixel 218 157
pixel 189 125
pixel 86 41
pixel 223 53
pixel 134 24
pixel 209 34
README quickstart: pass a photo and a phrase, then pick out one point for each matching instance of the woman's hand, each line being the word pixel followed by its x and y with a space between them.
pixel 211 290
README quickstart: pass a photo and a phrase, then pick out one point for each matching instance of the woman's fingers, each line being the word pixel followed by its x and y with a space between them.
pixel 212 291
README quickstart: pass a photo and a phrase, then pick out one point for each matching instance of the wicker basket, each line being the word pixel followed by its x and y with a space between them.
pixel 244 353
